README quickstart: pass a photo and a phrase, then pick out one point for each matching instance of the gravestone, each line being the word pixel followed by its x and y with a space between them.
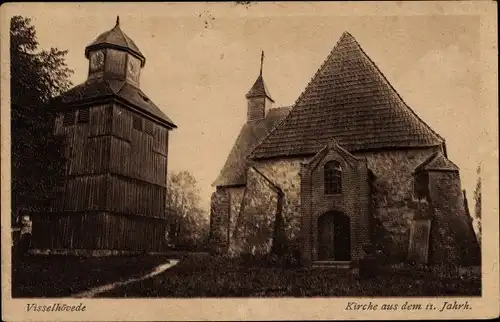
pixel 418 249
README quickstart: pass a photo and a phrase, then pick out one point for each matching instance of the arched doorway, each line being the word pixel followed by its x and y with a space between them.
pixel 334 237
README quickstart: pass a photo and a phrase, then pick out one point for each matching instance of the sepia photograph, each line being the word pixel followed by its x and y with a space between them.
pixel 246 150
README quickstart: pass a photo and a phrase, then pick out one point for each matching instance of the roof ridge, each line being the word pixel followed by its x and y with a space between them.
pixel 122 34
pixel 317 157
pixel 426 165
pixel 344 34
pixel 451 161
pixel 440 154
pixel 122 84
pixel 384 78
pixel 428 160
pixel 259 88
pixel 294 105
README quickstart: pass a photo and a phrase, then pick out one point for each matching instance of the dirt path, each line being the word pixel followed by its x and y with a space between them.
pixel 108 287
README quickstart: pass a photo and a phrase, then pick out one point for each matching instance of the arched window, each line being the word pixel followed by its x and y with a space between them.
pixel 333 178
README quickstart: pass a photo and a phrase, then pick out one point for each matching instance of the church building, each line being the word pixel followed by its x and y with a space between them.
pixel 112 197
pixel 348 168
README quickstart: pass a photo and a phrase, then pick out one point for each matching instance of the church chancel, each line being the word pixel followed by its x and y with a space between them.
pixel 346 168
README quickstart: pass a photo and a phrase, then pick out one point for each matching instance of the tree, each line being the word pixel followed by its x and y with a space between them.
pixel 477 199
pixel 37 155
pixel 188 221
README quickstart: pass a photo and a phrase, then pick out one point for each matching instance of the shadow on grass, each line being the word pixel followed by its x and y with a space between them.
pixel 63 276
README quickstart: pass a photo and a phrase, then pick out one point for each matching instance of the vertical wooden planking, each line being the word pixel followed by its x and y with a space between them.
pixel 72 227
pixel 86 231
pixel 84 193
pixel 109 143
pixel 99 230
pixel 138 147
pixel 93 230
pixel 135 197
pixel 53 232
pixel 166 153
pixel 112 226
pixel 122 123
pixel 62 231
pixel 100 120
pixel 117 67
pixel 121 235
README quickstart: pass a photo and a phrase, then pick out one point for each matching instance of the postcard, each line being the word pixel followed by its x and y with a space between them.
pixel 249 161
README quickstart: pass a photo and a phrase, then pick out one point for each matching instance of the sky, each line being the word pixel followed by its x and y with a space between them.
pixel 202 58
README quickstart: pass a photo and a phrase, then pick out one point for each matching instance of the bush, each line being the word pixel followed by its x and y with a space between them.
pixel 289 259
pixel 292 258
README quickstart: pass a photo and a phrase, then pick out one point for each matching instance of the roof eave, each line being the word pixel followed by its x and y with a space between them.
pixel 113 98
pixel 258 96
pixel 252 156
pixel 228 185
pixel 104 45
pixel 435 170
pixel 283 155
pixel 168 124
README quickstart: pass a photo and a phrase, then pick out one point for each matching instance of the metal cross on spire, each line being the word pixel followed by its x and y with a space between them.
pixel 261 62
pixel 117 20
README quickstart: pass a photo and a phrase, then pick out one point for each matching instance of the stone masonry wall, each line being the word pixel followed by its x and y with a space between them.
pixel 452 237
pixel 392 195
pixel 285 173
pixel 235 200
pixel 219 222
pixel 254 230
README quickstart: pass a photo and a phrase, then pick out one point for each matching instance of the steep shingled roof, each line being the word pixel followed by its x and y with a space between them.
pixel 118 39
pixel 350 100
pixel 259 88
pixel 235 168
pixel 100 88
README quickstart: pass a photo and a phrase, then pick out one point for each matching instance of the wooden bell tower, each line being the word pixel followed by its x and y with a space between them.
pixel 112 199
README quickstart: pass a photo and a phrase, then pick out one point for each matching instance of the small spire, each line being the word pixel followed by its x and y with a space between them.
pixel 117 20
pixel 261 62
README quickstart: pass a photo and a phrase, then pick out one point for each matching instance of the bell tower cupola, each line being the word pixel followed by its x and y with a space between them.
pixel 258 98
pixel 113 55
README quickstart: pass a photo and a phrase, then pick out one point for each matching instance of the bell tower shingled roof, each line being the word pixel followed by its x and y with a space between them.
pixel 259 88
pixel 116 38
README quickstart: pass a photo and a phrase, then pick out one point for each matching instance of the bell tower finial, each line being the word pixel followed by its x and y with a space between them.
pixel 117 20
pixel 261 62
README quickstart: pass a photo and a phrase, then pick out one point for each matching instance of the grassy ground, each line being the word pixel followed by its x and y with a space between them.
pixel 62 276
pixel 199 275
pixel 203 276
